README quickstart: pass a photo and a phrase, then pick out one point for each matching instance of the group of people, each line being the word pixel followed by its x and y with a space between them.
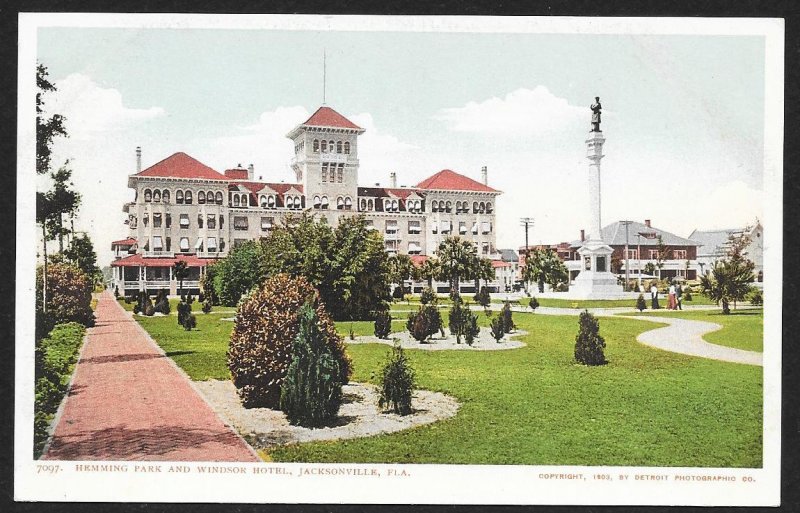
pixel 674 296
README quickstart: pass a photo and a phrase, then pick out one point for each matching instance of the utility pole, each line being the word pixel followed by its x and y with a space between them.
pixel 526 222
pixel 627 267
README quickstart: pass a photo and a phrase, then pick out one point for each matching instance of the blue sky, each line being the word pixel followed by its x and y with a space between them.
pixel 683 115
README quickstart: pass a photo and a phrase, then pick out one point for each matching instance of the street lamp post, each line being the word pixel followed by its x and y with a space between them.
pixel 627 268
pixel 639 257
pixel 526 222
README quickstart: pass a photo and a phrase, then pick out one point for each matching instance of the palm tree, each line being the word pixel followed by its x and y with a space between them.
pixel 401 268
pixel 729 280
pixel 457 258
pixel 430 270
pixel 181 272
pixel 484 270
pixel 544 266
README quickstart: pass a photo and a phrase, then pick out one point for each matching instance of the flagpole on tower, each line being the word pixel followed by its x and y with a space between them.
pixel 324 75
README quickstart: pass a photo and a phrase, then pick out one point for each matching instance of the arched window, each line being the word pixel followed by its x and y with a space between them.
pixel 482 207
pixel 324 203
pixel 157 196
pixel 339 203
pixel 395 205
pixel 271 201
pixel 165 195
pixel 262 200
pixel 448 207
pixel 331 146
pixel 201 198
pixel 338 146
pixel 317 202
pixel 362 205
pixel 488 208
pixel 179 197
pixel 210 197
pixel 219 198
pixel 324 146
pixel 371 204
pixel 187 197
pixel 340 174
pixel 148 195
pixel 475 208
pixel 236 200
pixel 348 203
pixel 434 206
pixel 347 148
pixel 298 202
pixel 199 217
pixel 316 145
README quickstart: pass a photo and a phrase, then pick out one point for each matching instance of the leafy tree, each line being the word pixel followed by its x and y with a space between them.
pixel 641 304
pixel 207 284
pixel 239 272
pixel 508 320
pixel 383 324
pixel 430 270
pixel 47 128
pixel 484 270
pixel 457 258
pixel 649 268
pixel 81 253
pixel 483 297
pixel 311 392
pixel 543 266
pixel 498 331
pixel 181 272
pixel 589 345
pixel 730 278
pixel 401 268
pixel 662 254
pixel 68 298
pixel 427 296
pixel 616 264
pixel 397 382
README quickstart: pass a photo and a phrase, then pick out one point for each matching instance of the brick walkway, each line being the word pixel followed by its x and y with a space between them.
pixel 128 401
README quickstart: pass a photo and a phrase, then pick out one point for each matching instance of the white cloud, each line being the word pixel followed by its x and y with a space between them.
pixel 523 112
pixel 379 153
pixel 93 110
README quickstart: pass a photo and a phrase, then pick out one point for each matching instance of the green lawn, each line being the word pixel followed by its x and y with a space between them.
pixel 534 405
pixel 742 329
pixel 697 299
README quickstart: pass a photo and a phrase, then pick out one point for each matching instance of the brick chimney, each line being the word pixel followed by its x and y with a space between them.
pixel 251 170
pixel 393 180
pixel 647 223
pixel 583 235
pixel 138 159
pixel 485 175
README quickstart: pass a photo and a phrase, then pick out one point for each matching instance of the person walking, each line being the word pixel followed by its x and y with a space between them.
pixel 679 296
pixel 654 296
pixel 671 303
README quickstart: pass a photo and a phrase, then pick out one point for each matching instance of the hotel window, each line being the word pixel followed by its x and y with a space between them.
pixel 266 223
pixel 145 219
pixel 169 244
pixel 221 221
pixel 414 248
pixel 434 228
pixel 148 196
pixel 201 198
pixel 211 244
pixel 458 207
pixel 240 223
pixel 462 227
pixel 236 200
pixel 435 206
pixel 222 244
pixel 475 228
pixel 485 248
pixel 362 205
pixel 482 207
pixel 156 220
pixel 199 220
pixel 331 146
pixel 340 173
pixel 324 203
pixel 184 221
pixel 158 244
pixel 370 204
pixel 187 197
pixel 184 244
pixel 179 197
pixel 475 207
pixel 347 148
pixel 165 196
pixel 198 246
pixel 168 219
pixel 348 203
pixel 271 201
pixel 370 224
pixel 157 196
pixel 317 202
pixel 324 146
pixel 339 203
pixel 338 146
pixel 486 227
pixel 653 254
pixel 262 200
pixel 679 254
pixel 633 253
pixel 324 172
pixel 446 226
pixel 414 227
pixel 448 207
pixel 391 227
pixel 146 246
pixel 316 145
pixel 488 208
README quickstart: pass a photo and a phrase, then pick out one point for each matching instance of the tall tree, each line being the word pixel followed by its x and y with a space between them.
pixel 401 268
pixel 81 253
pixel 181 272
pixel 64 202
pixel 484 270
pixel 543 266
pixel 730 278
pixel 430 270
pixel 457 259
pixel 47 128
pixel 662 254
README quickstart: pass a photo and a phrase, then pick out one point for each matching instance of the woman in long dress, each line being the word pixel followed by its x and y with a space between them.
pixel 672 304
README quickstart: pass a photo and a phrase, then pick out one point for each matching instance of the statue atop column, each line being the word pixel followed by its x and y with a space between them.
pixel 596 108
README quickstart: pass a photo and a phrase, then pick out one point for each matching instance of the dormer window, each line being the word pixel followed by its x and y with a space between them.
pixel 434 206
pixel 236 200
pixel 362 205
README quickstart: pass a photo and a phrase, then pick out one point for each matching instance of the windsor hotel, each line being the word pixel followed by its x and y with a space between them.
pixel 184 210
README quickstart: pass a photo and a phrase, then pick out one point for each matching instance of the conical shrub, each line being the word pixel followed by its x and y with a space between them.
pixel 589 345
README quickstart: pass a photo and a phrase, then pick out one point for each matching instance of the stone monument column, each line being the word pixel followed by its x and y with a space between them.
pixel 594 152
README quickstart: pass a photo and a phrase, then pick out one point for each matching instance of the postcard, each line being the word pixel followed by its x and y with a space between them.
pixel 399 259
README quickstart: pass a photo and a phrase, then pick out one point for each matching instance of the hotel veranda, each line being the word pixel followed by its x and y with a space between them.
pixel 184 210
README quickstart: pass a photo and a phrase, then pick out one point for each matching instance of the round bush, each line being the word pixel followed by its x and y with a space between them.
pixel 266 324
pixel 69 294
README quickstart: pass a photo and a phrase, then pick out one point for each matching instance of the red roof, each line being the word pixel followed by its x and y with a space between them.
pixel 280 188
pixel 181 165
pixel 452 181
pixel 418 260
pixel 124 242
pixel 139 260
pixel 237 174
pixel 382 192
pixel 500 263
pixel 326 116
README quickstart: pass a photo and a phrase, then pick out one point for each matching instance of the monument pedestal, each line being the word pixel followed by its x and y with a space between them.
pixel 595 280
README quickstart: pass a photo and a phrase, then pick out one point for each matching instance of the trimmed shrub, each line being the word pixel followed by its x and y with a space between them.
pixel 149 309
pixel 201 297
pixel 184 310
pixel 435 322
pixel 757 299
pixel 471 328
pixel 396 382
pixel 137 309
pixel 207 306
pixel 190 322
pixel 69 297
pixel 498 329
pixel 311 392
pixel 116 291
pixel 428 296
pixel 589 345
pixel 260 349
pixel 189 299
pixel 533 304
pixel 687 295
pixel 398 293
pixel 483 297
pixel 641 304
pixel 383 324
pixel 508 320
pixel 417 326
pixel 162 303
